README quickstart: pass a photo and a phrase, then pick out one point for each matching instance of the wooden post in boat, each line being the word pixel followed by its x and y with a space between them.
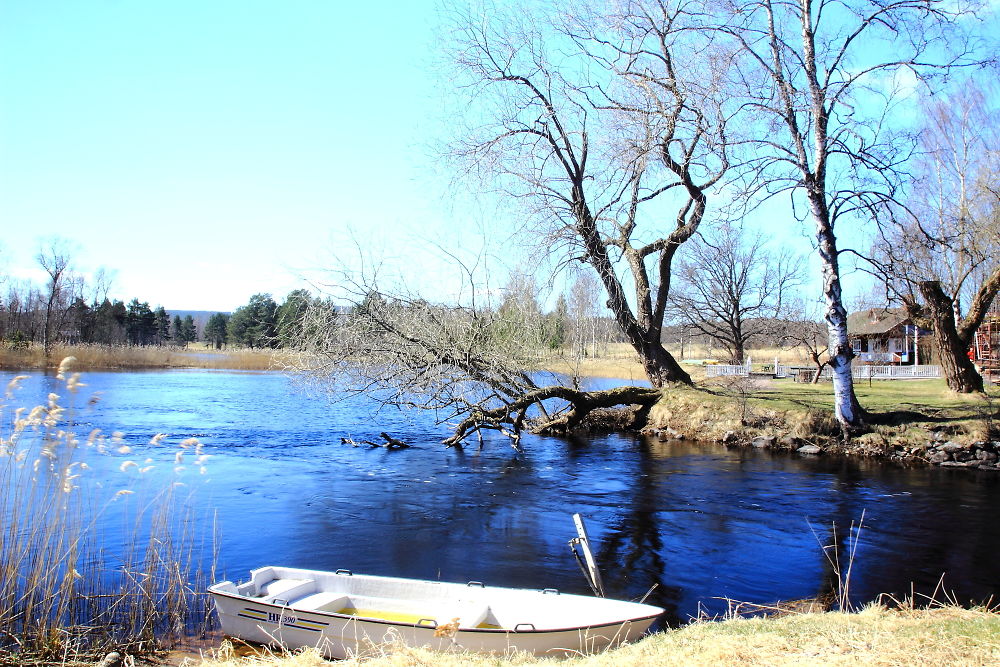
pixel 584 541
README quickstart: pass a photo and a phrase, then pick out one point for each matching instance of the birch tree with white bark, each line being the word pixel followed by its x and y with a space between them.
pixel 826 76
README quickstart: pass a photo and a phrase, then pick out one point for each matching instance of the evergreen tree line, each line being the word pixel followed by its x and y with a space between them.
pixel 260 324
pixel 103 322
pixel 27 312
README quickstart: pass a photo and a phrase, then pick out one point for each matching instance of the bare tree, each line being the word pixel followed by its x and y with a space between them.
pixel 519 315
pixel 732 288
pixel 584 300
pixel 804 330
pixel 825 75
pixel 608 126
pixel 54 257
pixel 946 252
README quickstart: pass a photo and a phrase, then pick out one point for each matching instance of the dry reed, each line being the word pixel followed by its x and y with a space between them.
pixel 123 357
pixel 619 360
pixel 615 360
pixel 63 597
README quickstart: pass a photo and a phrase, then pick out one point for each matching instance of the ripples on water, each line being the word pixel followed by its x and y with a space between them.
pixel 702 521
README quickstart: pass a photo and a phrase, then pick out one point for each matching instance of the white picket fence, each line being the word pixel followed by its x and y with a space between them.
pixel 860 372
pixel 891 372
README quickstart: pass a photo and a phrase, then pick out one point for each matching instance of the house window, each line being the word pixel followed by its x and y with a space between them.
pixel 856 345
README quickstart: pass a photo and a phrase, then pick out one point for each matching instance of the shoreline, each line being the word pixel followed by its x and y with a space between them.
pixel 941 429
pixel 874 634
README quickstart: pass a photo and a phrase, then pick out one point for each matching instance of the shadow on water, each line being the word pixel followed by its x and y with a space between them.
pixel 635 544
pixel 702 521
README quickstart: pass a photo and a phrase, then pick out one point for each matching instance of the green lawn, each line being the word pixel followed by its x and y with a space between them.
pixel 931 398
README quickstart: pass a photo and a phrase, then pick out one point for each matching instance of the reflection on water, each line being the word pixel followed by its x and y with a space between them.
pixel 701 521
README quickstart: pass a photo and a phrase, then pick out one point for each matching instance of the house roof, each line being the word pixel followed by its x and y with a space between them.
pixel 875 321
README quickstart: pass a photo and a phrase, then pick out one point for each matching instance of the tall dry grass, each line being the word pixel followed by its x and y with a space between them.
pixel 760 355
pixel 619 360
pixel 125 357
pixel 67 594
pixel 614 360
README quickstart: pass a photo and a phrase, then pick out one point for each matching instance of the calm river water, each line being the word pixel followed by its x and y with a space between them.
pixel 702 521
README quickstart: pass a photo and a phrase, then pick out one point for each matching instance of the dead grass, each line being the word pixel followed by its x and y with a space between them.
pixel 98 357
pixel 873 636
pixel 765 355
pixel 619 360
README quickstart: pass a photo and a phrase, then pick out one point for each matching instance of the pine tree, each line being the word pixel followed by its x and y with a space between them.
pixel 189 333
pixel 162 325
pixel 140 323
pixel 215 332
pixel 178 330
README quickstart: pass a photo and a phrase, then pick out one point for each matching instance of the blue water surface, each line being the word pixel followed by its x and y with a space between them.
pixel 702 522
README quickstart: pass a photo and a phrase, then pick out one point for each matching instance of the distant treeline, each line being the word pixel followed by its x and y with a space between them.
pixel 27 313
pixel 109 322
pixel 32 316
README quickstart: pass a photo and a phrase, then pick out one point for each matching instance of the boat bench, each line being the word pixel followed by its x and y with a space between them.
pixel 322 601
pixel 286 589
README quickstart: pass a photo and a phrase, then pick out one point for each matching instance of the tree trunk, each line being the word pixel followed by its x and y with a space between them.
pixel 581 404
pixel 819 367
pixel 661 367
pixel 643 332
pixel 847 410
pixel 739 352
pixel 959 371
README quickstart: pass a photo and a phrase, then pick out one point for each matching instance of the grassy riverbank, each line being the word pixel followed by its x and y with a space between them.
pixel 873 636
pixel 905 415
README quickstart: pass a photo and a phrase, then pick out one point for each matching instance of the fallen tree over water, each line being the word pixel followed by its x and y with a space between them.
pixel 580 406
pixel 476 367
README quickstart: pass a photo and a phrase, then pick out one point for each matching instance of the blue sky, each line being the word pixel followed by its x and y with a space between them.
pixel 208 150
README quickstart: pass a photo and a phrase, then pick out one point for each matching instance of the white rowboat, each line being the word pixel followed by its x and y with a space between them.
pixel 345 614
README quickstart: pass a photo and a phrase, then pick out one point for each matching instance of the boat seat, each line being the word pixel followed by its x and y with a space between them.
pixel 321 601
pixel 286 589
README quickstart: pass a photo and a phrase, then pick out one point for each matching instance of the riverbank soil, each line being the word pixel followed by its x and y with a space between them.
pixel 875 635
pixel 909 420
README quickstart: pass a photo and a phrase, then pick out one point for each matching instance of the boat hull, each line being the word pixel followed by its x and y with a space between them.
pixel 340 632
